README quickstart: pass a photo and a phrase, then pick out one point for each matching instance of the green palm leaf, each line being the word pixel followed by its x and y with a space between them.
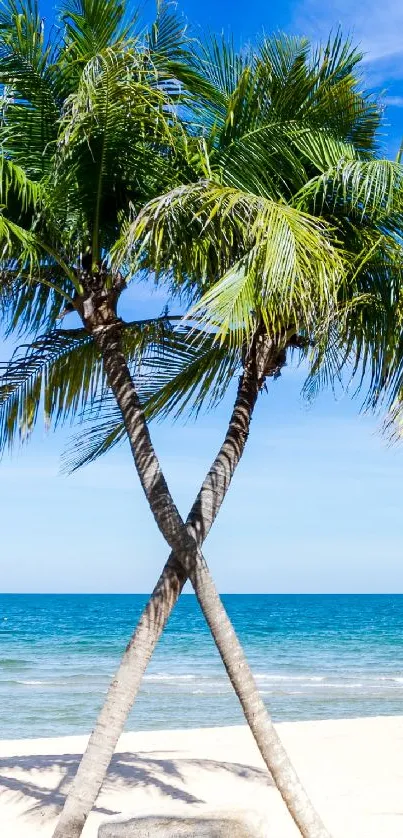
pixel 43 369
pixel 30 106
pixel 62 371
pixel 91 26
pixel 17 191
pixel 366 188
pixel 181 376
pixel 289 271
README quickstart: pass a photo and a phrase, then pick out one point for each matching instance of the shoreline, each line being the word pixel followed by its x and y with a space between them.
pixel 311 660
pixel 352 769
pixel 82 738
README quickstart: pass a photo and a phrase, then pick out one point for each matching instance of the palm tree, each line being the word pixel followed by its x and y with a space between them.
pixel 226 236
pixel 69 194
pixel 92 287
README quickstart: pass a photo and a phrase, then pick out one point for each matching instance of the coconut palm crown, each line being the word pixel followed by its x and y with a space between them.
pixel 277 214
pixel 290 227
pixel 88 133
pixel 291 149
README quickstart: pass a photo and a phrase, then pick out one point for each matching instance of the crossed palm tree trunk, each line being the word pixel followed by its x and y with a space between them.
pixel 185 561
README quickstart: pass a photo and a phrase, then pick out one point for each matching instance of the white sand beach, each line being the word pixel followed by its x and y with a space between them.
pixel 353 769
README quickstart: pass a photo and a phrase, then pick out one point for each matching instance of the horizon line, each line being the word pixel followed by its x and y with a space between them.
pixel 191 593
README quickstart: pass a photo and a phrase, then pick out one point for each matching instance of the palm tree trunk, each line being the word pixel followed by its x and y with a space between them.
pixel 185 560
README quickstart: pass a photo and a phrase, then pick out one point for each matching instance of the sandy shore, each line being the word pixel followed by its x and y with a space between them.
pixel 353 770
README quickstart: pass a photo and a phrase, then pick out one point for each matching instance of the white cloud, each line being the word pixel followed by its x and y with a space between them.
pixel 375 27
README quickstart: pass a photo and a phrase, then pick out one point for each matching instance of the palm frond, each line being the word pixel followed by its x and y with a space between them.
pixel 193 375
pixel 392 426
pixel 96 165
pixel 320 87
pixel 366 188
pixel 61 368
pixel 35 301
pixel 100 435
pixel 19 248
pixel 288 270
pixel 182 376
pixel 20 194
pixel 217 60
pixel 63 371
pixel 363 349
pixel 166 39
pixel 30 105
pixel 90 28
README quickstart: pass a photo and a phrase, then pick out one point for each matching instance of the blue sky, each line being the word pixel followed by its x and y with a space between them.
pixel 316 504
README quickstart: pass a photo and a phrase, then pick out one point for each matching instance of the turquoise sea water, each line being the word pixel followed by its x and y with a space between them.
pixel 314 657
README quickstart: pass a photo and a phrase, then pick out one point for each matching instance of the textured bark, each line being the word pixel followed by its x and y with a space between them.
pixel 266 737
pixel 185 560
pixel 119 701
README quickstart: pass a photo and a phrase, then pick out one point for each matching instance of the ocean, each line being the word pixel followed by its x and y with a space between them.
pixel 314 657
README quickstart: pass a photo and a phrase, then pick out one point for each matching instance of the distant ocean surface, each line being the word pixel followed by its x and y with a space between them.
pixel 314 657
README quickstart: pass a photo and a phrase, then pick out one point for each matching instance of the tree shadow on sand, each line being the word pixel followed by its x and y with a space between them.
pixel 126 771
